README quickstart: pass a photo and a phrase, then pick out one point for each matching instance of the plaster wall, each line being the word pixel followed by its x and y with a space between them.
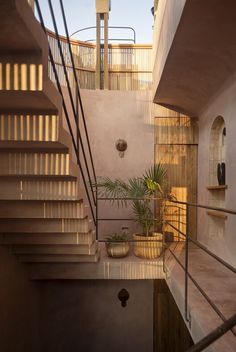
pixel 167 19
pixel 87 316
pixel 224 105
pixel 112 115
pixel 19 302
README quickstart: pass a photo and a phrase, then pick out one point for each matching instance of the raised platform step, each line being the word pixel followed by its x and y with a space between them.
pixel 54 188
pixel 55 249
pixel 41 209
pixel 65 238
pixel 44 225
pixel 58 259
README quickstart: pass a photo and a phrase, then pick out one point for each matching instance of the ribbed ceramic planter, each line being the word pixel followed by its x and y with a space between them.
pixel 147 247
pixel 117 249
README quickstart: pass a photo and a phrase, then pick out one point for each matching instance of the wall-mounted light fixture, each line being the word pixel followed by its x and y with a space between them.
pixel 121 146
pixel 123 296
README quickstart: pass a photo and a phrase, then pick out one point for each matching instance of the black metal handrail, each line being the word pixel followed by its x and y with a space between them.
pixel 214 335
pixel 76 104
pixel 113 27
pixel 228 324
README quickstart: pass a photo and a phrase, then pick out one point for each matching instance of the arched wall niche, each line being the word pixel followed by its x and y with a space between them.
pixel 217 148
pixel 217 185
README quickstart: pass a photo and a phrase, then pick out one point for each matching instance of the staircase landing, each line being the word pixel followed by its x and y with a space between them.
pixel 218 282
pixel 130 268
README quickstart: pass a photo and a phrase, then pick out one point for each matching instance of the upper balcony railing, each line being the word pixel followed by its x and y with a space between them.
pixel 129 64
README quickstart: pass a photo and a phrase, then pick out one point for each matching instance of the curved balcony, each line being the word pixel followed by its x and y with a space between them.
pixel 129 64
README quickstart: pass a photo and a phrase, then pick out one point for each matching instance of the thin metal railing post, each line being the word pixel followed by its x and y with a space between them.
pixel 97 221
pixel 69 87
pixel 178 223
pixel 164 248
pixel 186 266
pixel 78 87
pixel 64 108
pixel 77 121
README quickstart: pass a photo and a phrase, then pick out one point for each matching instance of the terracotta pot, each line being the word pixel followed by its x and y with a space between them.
pixel 117 249
pixel 148 250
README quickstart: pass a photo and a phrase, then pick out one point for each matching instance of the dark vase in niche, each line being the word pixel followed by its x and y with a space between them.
pixel 221 173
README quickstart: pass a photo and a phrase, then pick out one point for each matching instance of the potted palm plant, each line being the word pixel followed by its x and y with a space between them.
pixel 141 190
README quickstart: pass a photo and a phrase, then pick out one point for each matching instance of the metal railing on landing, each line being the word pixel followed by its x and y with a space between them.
pixel 182 211
pixel 81 144
pixel 228 324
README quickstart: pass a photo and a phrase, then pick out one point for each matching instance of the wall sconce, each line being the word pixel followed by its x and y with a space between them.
pixel 121 146
pixel 123 296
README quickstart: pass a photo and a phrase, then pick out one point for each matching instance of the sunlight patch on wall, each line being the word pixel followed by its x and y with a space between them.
pixel 21 76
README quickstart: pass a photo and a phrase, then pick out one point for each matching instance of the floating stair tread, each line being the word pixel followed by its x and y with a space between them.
pixel 70 238
pixel 67 209
pixel 23 102
pixel 41 177
pixel 35 201
pixel 17 18
pixel 83 249
pixel 57 259
pixel 41 219
pixel 38 225
pixel 32 147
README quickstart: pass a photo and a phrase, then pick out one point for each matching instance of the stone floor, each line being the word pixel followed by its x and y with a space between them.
pixel 218 282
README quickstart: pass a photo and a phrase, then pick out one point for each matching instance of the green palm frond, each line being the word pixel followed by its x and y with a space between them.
pixel 140 190
pixel 156 179
pixel 114 189
pixel 137 188
pixel 143 214
pixel 156 173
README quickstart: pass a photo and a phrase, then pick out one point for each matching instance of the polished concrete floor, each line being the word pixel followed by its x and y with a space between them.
pixel 218 282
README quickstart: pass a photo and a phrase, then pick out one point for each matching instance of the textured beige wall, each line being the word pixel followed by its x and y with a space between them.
pixel 224 105
pixel 166 22
pixel 19 302
pixel 112 115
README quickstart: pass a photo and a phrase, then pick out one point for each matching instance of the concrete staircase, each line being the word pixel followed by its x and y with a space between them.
pixel 42 215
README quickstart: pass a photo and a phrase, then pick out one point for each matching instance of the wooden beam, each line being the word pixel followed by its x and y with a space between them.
pixel 106 77
pixel 98 52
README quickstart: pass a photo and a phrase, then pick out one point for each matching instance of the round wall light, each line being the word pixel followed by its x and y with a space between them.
pixel 121 146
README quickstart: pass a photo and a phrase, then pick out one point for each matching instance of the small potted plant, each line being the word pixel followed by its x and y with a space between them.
pixel 141 190
pixel 117 246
